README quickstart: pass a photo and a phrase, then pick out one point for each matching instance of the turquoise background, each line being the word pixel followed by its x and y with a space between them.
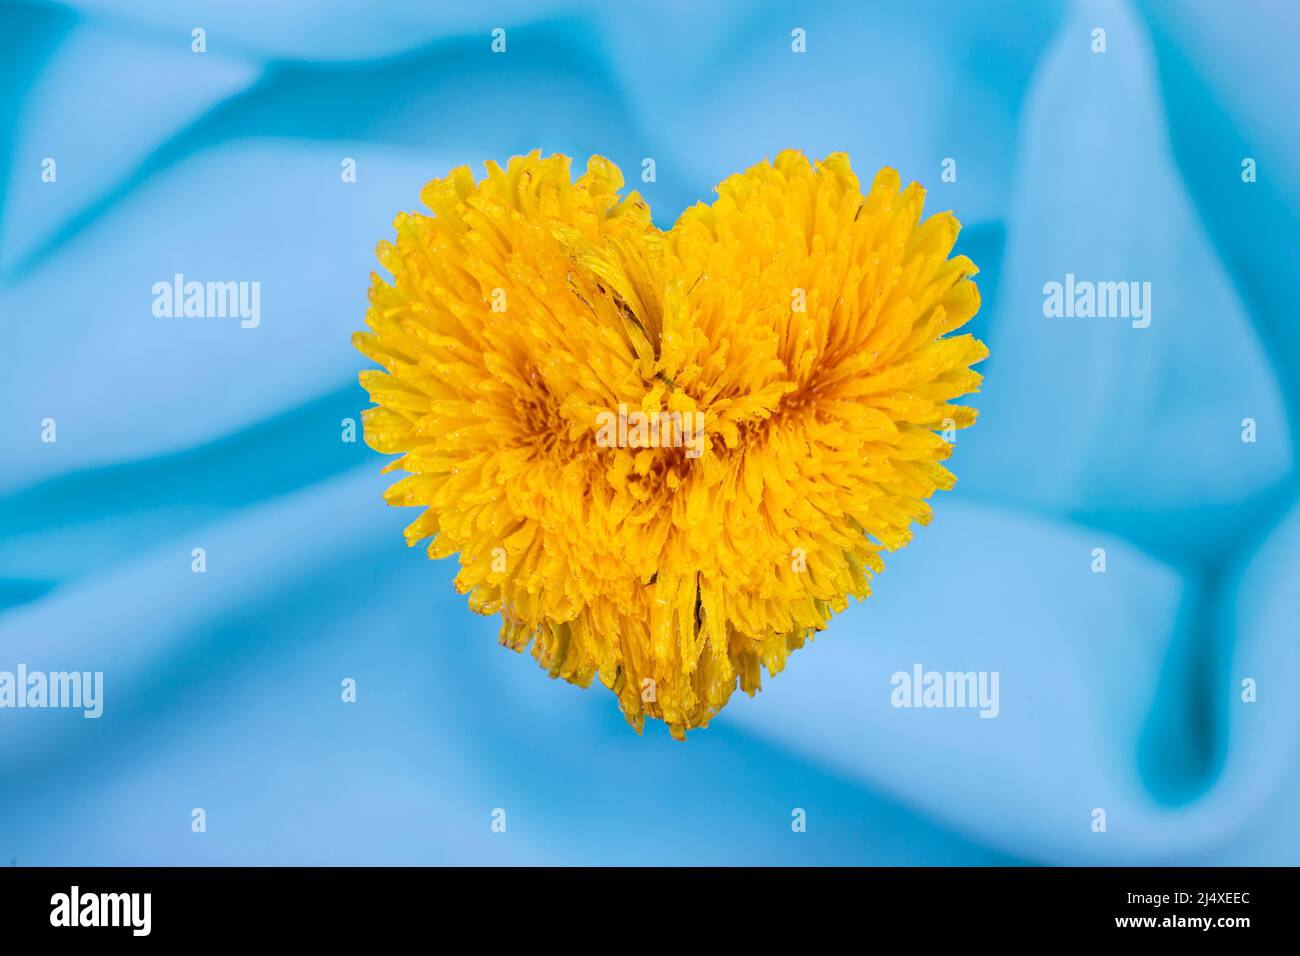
pixel 1119 691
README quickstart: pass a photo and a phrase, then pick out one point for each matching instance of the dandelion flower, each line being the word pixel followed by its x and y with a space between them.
pixel 804 323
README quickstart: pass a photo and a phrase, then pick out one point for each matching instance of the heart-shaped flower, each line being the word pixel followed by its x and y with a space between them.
pixel 668 458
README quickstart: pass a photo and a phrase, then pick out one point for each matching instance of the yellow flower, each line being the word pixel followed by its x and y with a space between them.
pixel 803 323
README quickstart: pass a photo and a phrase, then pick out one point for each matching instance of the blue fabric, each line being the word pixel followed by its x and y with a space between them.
pixel 1120 691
